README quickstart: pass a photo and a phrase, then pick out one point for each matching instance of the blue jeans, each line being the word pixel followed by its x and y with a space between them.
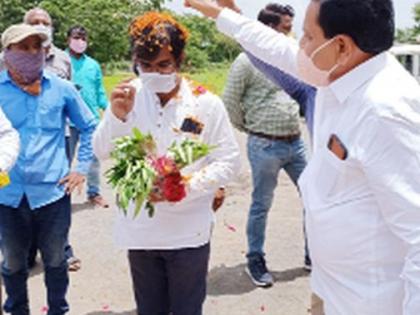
pixel 267 158
pixel 48 226
pixel 93 176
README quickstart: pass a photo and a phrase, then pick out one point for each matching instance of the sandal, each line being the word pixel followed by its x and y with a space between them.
pixel 99 201
pixel 74 264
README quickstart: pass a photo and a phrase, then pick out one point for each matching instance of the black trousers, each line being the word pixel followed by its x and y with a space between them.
pixel 170 281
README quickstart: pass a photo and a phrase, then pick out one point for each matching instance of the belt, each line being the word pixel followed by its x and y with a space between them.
pixel 288 138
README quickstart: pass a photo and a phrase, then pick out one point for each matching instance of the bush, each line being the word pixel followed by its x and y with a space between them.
pixel 206 45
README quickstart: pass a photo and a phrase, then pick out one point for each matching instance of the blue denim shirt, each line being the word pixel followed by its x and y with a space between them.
pixel 40 121
pixel 301 92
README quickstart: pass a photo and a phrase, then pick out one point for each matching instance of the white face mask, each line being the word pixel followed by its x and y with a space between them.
pixel 158 83
pixel 309 72
pixel 47 30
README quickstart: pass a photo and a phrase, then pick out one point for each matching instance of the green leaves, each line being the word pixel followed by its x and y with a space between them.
pixel 132 176
pixel 106 21
pixel 189 151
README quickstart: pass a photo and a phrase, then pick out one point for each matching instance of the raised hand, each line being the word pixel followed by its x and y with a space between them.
pixel 206 7
pixel 228 4
pixel 122 100
pixel 219 199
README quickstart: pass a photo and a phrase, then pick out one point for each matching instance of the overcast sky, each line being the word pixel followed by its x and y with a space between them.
pixel 403 9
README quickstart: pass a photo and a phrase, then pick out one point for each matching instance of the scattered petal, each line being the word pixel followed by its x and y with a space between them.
pixel 230 227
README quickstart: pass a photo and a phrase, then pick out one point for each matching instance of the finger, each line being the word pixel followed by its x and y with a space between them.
pixel 67 188
pixel 123 91
pixel 63 180
pixel 72 186
pixel 127 85
pixel 126 92
pixel 79 188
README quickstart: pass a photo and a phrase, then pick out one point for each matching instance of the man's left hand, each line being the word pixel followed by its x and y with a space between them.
pixel 219 199
pixel 72 181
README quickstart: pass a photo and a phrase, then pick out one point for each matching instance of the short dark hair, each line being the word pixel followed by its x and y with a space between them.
pixel 269 18
pixel 370 23
pixel 288 10
pixel 151 32
pixel 281 9
pixel 77 29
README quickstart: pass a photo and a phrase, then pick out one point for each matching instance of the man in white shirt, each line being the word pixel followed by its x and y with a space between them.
pixel 169 252
pixel 361 189
pixel 9 144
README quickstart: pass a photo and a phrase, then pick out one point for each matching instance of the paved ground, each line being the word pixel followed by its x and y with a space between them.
pixel 103 284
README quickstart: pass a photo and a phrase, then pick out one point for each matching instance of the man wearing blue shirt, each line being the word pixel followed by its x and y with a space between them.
pixel 87 76
pixel 36 205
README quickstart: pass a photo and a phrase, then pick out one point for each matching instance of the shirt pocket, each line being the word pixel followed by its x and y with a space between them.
pixel 327 180
pixel 50 117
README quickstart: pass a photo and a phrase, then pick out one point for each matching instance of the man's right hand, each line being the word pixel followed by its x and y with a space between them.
pixel 122 100
pixel 229 4
pixel 206 7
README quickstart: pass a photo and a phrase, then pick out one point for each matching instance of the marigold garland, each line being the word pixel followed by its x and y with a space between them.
pixel 156 22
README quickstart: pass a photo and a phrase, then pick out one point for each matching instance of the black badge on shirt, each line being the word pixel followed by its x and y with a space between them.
pixel 192 125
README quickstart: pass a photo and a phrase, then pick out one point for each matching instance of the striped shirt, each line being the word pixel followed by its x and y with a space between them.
pixel 257 105
pixel 301 92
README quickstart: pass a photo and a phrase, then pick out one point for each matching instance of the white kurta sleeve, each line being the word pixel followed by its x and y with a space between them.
pixel 260 40
pixel 391 162
pixel 9 143
pixel 109 129
pixel 224 161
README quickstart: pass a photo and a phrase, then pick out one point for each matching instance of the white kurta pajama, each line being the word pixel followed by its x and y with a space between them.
pixel 186 224
pixel 362 213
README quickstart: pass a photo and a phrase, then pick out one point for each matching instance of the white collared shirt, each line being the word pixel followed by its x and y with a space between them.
pixel 187 223
pixel 9 143
pixel 362 213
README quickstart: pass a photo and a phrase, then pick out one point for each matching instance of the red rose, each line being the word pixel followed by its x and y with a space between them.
pixel 173 187
pixel 164 166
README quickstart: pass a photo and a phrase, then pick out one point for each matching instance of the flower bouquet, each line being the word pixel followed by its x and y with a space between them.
pixel 139 173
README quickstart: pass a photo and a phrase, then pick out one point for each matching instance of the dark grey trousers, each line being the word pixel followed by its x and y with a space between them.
pixel 170 282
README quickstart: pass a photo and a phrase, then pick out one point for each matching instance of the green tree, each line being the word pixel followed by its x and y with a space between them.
pixel 106 21
pixel 411 35
pixel 206 45
pixel 12 11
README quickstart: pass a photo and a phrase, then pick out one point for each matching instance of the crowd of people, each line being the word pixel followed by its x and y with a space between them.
pixel 360 188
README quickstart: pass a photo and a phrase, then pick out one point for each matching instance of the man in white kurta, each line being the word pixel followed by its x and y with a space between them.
pixel 169 252
pixel 9 144
pixel 362 194
pixel 187 223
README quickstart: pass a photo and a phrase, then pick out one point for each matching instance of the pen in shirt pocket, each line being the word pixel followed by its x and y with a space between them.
pixel 336 146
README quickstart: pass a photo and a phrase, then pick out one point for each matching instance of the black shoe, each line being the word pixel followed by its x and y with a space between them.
pixel 307 264
pixel 31 263
pixel 258 272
